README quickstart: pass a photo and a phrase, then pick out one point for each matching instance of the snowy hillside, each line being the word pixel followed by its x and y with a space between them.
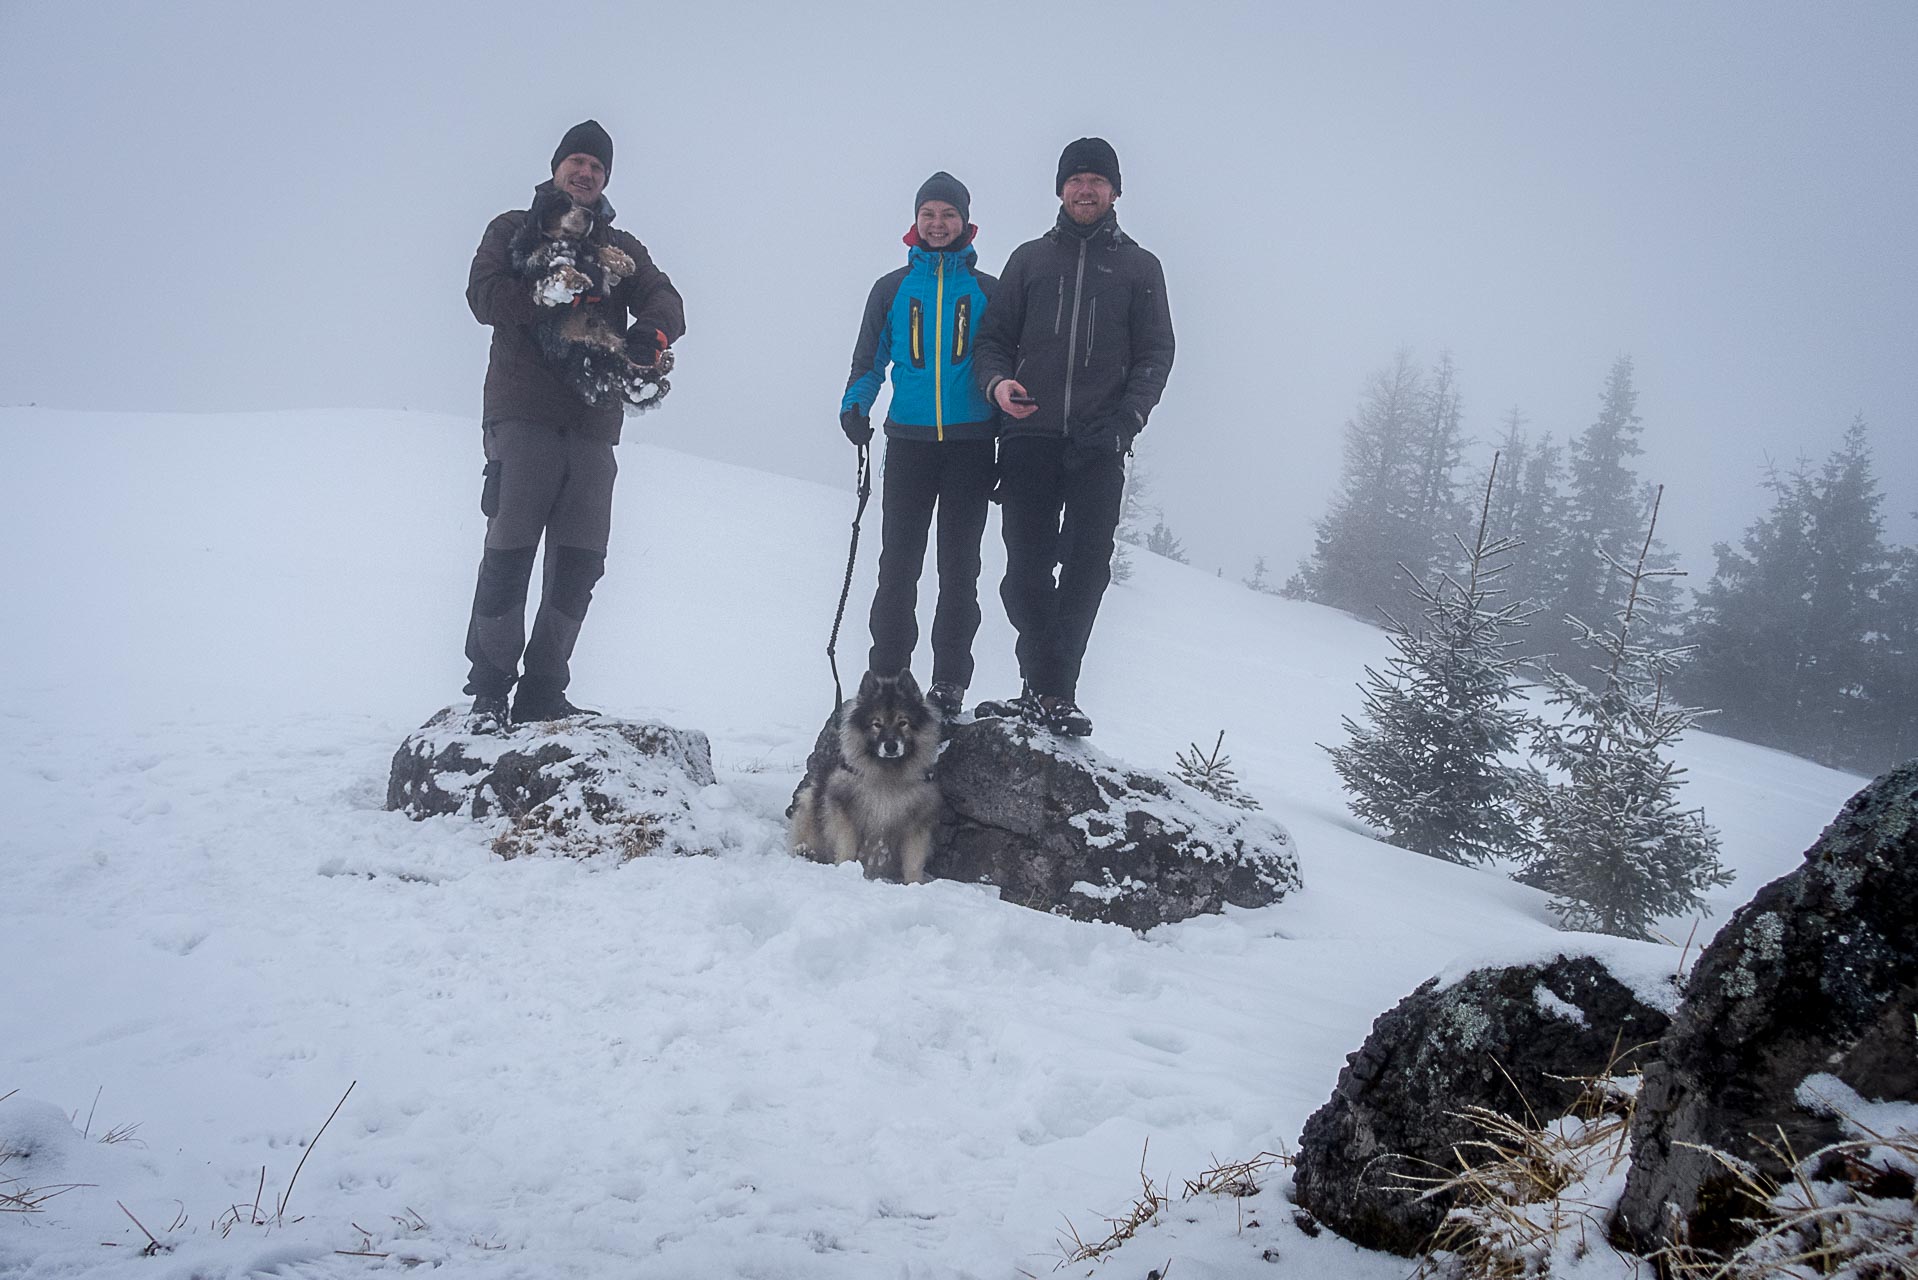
pixel 219 628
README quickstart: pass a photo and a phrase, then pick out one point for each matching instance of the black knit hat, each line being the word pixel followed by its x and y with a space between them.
pixel 586 138
pixel 943 186
pixel 1088 155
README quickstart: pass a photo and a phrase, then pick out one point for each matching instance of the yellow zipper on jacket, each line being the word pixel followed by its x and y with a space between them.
pixel 939 354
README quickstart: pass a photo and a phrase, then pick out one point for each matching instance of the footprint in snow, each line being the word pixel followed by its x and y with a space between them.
pixel 1160 1038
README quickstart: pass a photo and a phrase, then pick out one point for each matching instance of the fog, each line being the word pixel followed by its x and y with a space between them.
pixel 220 206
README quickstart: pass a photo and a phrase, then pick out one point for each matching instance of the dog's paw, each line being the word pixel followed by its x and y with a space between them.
pixel 617 263
pixel 560 288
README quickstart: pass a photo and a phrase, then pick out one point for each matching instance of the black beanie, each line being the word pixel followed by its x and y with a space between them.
pixel 943 186
pixel 1089 155
pixel 586 138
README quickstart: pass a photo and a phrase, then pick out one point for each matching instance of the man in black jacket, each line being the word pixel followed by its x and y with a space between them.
pixel 1074 351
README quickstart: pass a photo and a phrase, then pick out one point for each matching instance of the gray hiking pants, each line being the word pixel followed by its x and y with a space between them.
pixel 540 482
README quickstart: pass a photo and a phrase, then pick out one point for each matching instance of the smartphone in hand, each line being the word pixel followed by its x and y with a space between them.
pixel 1021 400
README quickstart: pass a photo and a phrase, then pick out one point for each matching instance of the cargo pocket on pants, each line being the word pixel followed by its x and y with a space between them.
pixel 489 490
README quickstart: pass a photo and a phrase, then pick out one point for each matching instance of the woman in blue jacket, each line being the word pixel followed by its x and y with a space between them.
pixel 919 326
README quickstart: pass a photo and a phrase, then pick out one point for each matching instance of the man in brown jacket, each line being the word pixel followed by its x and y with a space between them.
pixel 549 453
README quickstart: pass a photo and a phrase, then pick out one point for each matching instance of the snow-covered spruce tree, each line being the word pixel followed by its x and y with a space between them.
pixel 1396 509
pixel 1137 511
pixel 1261 579
pixel 1370 527
pixel 1161 541
pixel 1135 516
pixel 1513 452
pixel 1752 625
pixel 1602 511
pixel 1601 514
pixel 1538 520
pixel 1427 765
pixel 1527 507
pixel 1894 684
pixel 1438 511
pixel 1798 632
pixel 1614 849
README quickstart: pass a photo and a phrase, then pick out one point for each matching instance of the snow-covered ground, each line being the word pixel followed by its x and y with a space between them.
pixel 217 630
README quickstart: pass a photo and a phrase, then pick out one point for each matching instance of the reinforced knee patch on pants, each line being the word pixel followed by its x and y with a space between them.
pixel 504 576
pixel 575 572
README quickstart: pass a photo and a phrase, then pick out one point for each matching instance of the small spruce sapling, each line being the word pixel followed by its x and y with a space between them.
pixel 1213 774
pixel 1615 850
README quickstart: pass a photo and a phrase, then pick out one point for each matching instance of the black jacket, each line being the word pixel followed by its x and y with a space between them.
pixel 519 381
pixel 1080 319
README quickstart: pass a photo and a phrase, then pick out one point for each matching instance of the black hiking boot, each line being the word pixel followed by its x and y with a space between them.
pixel 488 714
pixel 1024 707
pixel 948 697
pixel 531 706
pixel 1063 717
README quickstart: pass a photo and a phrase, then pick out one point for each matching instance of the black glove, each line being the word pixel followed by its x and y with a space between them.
pixel 643 348
pixel 856 425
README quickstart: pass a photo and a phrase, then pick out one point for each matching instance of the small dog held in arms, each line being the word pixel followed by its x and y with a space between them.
pixel 874 799
pixel 570 270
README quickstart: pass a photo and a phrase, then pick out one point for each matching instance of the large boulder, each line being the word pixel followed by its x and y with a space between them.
pixel 579 787
pixel 1061 827
pixel 1509 1039
pixel 1818 974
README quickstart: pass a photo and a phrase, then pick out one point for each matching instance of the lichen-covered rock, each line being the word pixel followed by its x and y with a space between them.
pixel 1817 974
pixel 1506 1039
pixel 1061 827
pixel 578 787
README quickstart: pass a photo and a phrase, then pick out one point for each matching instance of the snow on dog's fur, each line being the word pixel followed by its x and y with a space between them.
pixel 877 802
pixel 556 250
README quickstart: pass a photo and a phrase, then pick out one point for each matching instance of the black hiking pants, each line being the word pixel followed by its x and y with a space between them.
pixel 1060 513
pixel 546 484
pixel 954 478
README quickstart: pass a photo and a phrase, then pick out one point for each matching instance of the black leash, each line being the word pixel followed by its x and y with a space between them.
pixel 832 645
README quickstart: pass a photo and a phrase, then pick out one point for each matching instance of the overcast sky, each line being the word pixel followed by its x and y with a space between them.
pixel 216 205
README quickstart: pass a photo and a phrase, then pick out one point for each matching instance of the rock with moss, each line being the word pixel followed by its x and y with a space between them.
pixel 1513 1039
pixel 1817 975
pixel 581 787
pixel 1059 826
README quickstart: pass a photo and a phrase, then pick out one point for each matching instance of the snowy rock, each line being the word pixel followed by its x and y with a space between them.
pixel 1506 1039
pixel 1817 974
pixel 1060 827
pixel 576 787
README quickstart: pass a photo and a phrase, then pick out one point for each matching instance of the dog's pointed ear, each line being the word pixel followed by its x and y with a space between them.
pixel 909 687
pixel 869 684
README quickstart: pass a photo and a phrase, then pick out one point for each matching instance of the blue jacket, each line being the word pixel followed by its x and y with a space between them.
pixel 919 322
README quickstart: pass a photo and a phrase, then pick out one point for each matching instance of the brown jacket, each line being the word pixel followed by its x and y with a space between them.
pixel 519 383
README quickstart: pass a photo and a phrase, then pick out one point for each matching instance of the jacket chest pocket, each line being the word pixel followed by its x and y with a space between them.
pixel 1105 327
pixel 961 328
pixel 916 332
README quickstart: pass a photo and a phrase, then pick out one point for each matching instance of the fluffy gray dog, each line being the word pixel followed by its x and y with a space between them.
pixel 874 799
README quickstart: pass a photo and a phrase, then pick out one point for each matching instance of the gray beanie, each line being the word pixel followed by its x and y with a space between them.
pixel 943 186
